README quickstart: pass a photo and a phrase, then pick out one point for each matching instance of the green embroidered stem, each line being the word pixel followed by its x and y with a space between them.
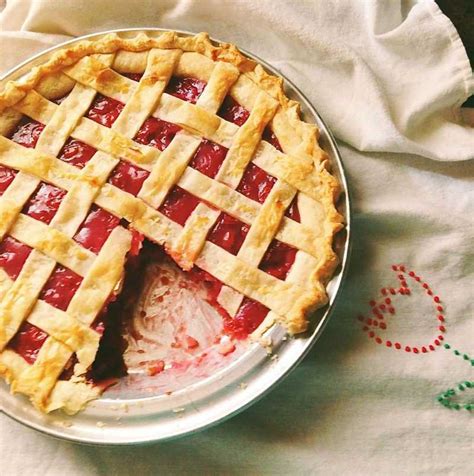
pixel 457 353
pixel 446 397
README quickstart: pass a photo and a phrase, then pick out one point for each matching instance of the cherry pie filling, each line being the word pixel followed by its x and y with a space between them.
pixel 228 232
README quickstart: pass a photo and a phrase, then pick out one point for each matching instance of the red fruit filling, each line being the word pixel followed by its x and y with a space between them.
pixel 96 228
pixel 292 211
pixel 232 111
pixel 278 259
pixel 249 316
pixel 76 153
pixel 178 205
pixel 13 255
pixel 208 158
pixel 157 133
pixel 28 341
pixel 27 132
pixel 6 178
pixel 128 177
pixel 60 287
pixel 256 183
pixel 44 203
pixel 228 232
pixel 270 137
pixel 104 110
pixel 187 89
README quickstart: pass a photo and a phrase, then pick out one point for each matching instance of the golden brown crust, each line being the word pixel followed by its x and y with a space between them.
pixel 302 170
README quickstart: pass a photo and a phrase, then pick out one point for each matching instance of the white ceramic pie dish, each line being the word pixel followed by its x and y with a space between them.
pixel 131 418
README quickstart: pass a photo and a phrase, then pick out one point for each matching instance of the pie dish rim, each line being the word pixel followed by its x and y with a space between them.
pixel 301 99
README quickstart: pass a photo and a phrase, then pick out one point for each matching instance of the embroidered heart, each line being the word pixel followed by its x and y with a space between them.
pixel 385 306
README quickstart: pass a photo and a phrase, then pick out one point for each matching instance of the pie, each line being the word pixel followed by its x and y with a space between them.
pixel 169 141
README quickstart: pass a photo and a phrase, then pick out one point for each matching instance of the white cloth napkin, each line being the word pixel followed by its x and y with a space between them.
pixel 389 78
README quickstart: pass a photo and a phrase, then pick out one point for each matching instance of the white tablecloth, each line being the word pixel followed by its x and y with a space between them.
pixel 389 78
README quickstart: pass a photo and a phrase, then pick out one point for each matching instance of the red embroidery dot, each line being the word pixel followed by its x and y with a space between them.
pixel 437 342
pixel 378 340
pixel 431 347
pixel 436 299
pixel 371 334
pixel 407 291
pixel 402 268
pixel 375 324
pixel 394 267
pixel 417 278
pixel 440 337
pixel 404 284
pixel 407 349
pixel 440 308
pixel 382 307
pixel 392 291
pixel 383 325
pixel 391 310
pixel 365 328
pixel 360 318
pixel 424 350
pixel 397 345
pixel 384 291
pixel 425 285
pixel 388 301
pixel 372 303
pixel 411 273
pixel 401 291
pixel 388 344
pixel 442 328
pixel 400 276
pixel 415 350
pixel 440 318
pixel 369 321
pixel 429 292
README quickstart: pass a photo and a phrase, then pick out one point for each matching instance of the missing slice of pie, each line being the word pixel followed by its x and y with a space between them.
pixel 169 141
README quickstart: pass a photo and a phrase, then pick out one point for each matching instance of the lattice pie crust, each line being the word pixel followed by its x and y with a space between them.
pixel 300 169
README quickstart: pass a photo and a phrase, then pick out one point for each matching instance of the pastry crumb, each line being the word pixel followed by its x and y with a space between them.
pixel 124 407
pixel 179 410
pixel 243 385
pixel 267 344
pixel 226 346
pixel 100 424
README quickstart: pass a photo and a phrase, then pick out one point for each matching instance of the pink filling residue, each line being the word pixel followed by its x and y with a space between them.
pixel 175 336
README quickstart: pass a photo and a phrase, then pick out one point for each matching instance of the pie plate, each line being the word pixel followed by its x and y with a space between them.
pixel 133 416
